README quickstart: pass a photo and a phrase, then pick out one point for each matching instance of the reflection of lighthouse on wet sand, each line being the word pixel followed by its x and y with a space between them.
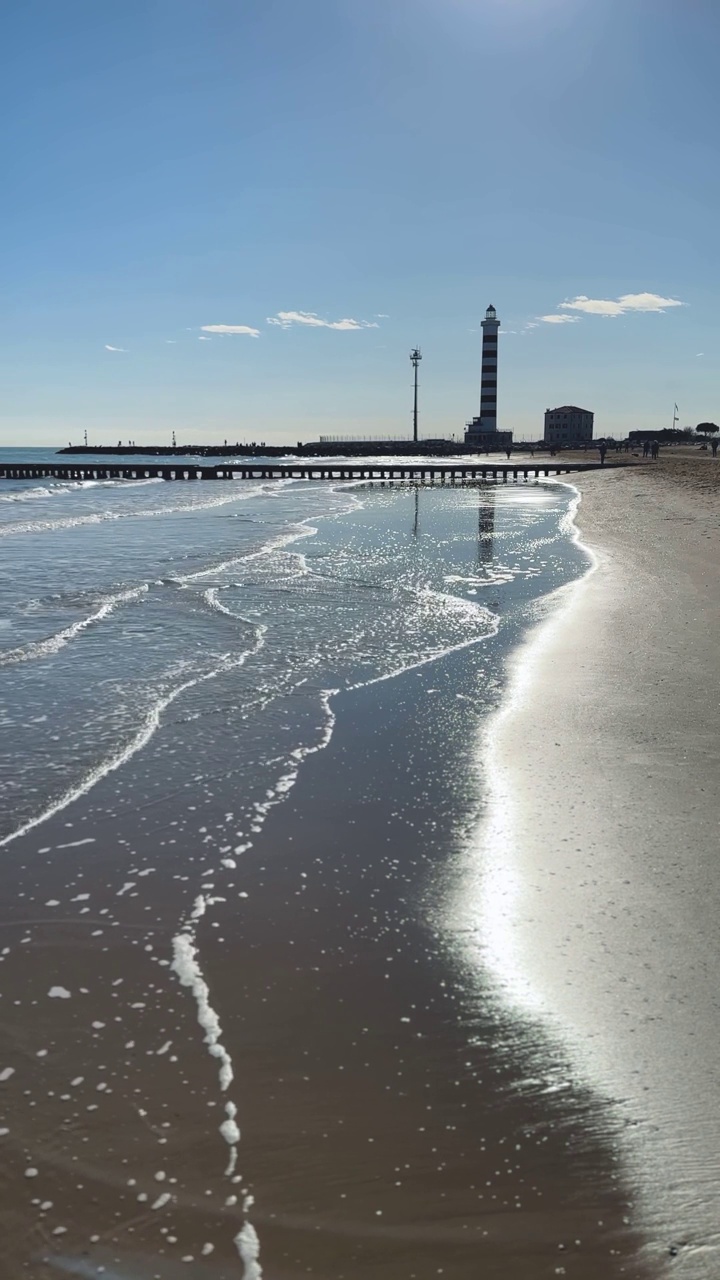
pixel 482 433
pixel 486 527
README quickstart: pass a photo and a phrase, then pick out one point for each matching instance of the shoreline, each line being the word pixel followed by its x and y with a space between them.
pixel 606 760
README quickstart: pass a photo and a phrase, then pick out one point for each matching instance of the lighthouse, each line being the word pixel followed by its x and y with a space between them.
pixel 482 432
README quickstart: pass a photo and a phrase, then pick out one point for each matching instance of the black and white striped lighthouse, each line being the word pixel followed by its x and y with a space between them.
pixel 488 372
pixel 483 432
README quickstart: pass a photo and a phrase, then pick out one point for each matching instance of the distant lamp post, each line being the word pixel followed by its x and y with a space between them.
pixel 415 358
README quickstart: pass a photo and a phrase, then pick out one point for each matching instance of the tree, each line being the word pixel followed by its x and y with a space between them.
pixel 706 428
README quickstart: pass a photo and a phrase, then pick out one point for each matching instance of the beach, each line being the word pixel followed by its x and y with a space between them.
pixel 336 972
pixel 610 930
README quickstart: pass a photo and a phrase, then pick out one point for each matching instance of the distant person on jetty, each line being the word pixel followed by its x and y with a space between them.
pixel 508 452
pixel 602 449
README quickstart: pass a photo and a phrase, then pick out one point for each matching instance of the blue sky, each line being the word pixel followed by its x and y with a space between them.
pixel 393 164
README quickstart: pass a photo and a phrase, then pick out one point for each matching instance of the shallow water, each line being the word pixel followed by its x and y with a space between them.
pixel 118 599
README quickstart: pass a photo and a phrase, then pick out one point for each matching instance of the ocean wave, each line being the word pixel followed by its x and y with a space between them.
pixel 150 723
pixel 53 644
pixel 100 517
pixel 29 494
pixel 65 487
pixel 275 543
pixel 211 598
pixel 487 622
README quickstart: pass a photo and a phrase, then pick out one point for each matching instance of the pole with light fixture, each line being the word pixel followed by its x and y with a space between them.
pixel 415 358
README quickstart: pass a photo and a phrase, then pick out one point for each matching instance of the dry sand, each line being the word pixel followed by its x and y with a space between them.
pixel 609 760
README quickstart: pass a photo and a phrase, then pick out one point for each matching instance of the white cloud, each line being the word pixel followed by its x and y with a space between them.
pixel 620 306
pixel 202 338
pixel 231 328
pixel 285 319
pixel 553 319
pixel 532 324
pixel 699 353
pixel 109 348
pixel 171 341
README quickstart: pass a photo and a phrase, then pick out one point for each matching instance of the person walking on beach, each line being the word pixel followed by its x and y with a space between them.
pixel 646 448
pixel 714 447
pixel 602 447
pixel 655 450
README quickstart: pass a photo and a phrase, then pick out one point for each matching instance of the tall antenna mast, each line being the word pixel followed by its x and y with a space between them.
pixel 415 358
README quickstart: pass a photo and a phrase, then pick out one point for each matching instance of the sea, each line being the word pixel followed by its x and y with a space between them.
pixel 242 749
pixel 125 604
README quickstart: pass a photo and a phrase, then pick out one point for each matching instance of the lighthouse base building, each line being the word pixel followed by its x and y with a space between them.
pixel 484 440
pixel 482 433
